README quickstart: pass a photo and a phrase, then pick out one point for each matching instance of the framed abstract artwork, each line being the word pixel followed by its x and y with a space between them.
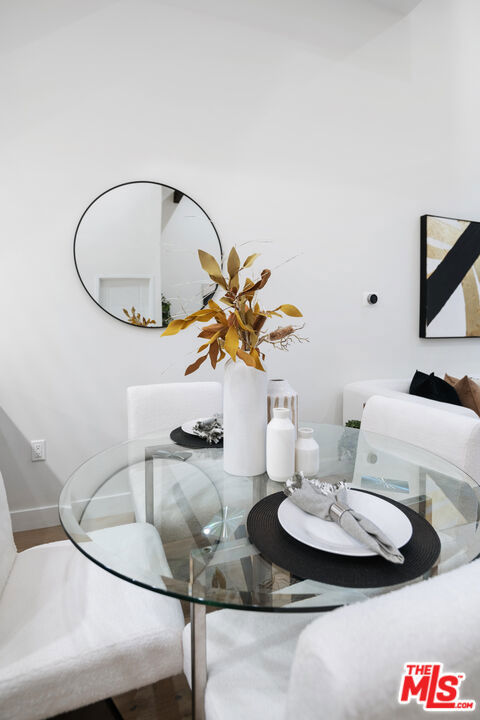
pixel 449 278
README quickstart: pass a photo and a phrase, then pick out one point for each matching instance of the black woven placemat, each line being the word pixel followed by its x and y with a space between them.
pixel 278 547
pixel 192 441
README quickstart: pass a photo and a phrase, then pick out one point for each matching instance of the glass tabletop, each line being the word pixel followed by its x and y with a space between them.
pixel 170 519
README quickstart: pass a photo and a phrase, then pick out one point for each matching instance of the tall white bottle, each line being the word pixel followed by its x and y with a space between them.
pixel 307 453
pixel 281 435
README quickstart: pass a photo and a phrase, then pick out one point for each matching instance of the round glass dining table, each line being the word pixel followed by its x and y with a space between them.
pixel 170 519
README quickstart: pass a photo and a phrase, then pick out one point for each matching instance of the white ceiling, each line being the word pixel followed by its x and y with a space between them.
pixel 401 6
pixel 335 27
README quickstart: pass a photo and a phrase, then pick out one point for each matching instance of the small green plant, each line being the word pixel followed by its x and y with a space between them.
pixel 166 305
pixel 353 424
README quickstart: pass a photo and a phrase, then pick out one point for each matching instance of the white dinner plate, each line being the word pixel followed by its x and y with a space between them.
pixel 329 536
pixel 188 426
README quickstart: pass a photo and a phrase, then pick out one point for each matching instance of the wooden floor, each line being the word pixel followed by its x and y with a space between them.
pixel 168 699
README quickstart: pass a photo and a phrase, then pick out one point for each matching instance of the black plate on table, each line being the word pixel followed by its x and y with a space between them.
pixel 192 441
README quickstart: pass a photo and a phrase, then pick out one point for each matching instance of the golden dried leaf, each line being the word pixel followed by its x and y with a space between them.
pixel 173 327
pixel 210 330
pixel 246 357
pixel 211 266
pixel 265 275
pixel 250 260
pixel 258 364
pixel 233 263
pixel 205 312
pixel 213 352
pixel 194 366
pixel 226 300
pixel 243 324
pixel 234 283
pixel 249 290
pixel 232 342
pixel 259 323
pixel 290 310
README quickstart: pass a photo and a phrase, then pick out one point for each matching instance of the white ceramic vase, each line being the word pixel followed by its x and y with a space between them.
pixel 281 436
pixel 244 419
pixel 281 394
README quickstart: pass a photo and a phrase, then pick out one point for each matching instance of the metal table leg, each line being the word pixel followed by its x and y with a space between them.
pixel 161 453
pixel 198 650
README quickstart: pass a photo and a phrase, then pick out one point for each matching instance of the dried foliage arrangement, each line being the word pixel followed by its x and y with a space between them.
pixel 135 319
pixel 236 329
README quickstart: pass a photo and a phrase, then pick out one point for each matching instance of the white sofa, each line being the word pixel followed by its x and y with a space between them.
pixel 356 394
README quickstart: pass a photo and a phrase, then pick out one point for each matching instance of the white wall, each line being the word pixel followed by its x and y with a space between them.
pixel 322 128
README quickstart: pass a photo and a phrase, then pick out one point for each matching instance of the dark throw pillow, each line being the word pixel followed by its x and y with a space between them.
pixel 433 388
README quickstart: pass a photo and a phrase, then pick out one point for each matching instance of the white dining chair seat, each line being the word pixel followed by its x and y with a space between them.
pixel 249 658
pixel 139 546
pixel 72 634
pixel 347 664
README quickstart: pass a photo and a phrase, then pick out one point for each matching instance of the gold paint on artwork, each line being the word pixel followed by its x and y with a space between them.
pixel 435 253
pixel 472 304
pixel 444 232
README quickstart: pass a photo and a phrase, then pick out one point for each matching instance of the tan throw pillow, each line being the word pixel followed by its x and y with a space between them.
pixel 467 390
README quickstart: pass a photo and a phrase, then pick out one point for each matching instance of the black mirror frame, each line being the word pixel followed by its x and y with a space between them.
pixel 140 182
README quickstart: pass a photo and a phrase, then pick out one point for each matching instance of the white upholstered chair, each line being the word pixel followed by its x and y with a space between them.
pixel 455 438
pixel 72 633
pixel 159 409
pixel 356 394
pixel 165 406
pixel 346 664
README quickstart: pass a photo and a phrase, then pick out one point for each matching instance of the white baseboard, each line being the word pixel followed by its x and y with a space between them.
pixel 47 516
pixel 34 518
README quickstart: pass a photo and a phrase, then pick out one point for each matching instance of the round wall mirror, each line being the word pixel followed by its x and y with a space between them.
pixel 135 251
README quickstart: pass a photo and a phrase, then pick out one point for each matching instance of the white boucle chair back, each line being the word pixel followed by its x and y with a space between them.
pixel 349 663
pixel 8 550
pixel 455 438
pixel 165 406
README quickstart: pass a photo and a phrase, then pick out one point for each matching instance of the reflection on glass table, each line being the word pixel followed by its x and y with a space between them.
pixel 171 520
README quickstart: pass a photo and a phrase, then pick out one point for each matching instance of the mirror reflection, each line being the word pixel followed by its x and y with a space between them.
pixel 136 253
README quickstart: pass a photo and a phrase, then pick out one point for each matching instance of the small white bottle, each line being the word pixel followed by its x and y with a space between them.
pixel 281 436
pixel 307 453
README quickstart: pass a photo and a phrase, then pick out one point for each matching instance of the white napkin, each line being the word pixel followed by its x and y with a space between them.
pixel 210 429
pixel 329 502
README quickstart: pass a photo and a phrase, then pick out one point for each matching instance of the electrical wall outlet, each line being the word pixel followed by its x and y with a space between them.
pixel 39 450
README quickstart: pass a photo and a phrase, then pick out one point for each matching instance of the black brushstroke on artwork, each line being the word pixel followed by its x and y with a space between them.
pixel 445 279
